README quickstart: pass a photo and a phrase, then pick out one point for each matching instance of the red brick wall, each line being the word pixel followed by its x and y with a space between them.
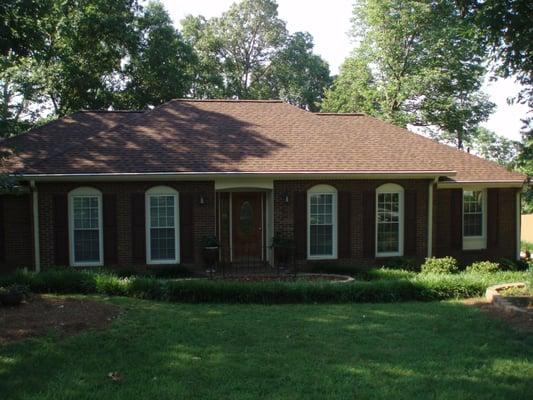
pixel 203 215
pixel 284 213
pixel 504 217
pixel 18 237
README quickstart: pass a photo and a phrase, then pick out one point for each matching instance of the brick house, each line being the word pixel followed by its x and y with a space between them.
pixel 138 188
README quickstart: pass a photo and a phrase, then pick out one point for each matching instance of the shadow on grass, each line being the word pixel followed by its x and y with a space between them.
pixel 407 350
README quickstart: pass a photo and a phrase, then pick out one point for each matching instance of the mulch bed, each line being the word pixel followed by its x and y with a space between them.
pixel 44 314
pixel 520 321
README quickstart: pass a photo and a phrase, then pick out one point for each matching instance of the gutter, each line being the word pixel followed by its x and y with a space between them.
pixel 485 184
pixel 215 175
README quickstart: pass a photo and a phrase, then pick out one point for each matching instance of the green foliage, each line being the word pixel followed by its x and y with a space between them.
pixel 444 265
pixel 494 147
pixel 403 263
pixel 513 265
pixel 248 53
pixel 244 38
pixel 416 63
pixel 483 266
pixel 384 286
pixel 159 69
pixel 295 74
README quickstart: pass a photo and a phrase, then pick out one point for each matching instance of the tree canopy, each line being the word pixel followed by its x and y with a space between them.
pixel 61 56
pixel 416 63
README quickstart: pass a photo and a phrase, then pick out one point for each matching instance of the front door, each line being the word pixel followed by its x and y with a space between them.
pixel 247 225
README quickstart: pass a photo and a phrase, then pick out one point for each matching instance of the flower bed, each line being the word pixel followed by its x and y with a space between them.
pixel 511 297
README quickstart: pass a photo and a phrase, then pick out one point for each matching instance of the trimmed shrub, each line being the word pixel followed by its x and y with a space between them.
pixel 386 286
pixel 510 265
pixel 483 266
pixel 402 263
pixel 444 265
pixel 389 274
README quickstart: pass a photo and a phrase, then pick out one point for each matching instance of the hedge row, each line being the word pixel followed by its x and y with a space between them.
pixel 390 286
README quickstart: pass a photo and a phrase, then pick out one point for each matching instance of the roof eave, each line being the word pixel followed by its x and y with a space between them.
pixel 236 174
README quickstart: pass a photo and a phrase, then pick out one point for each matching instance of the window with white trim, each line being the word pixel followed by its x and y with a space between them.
pixel 474 226
pixel 389 220
pixel 322 222
pixel 85 227
pixel 162 230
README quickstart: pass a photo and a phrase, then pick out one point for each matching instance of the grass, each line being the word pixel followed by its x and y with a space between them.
pixel 366 351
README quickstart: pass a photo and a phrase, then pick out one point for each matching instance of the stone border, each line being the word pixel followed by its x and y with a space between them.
pixel 492 294
pixel 340 278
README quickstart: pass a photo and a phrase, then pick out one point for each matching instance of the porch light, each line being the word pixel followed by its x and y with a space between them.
pixel 286 198
pixel 202 200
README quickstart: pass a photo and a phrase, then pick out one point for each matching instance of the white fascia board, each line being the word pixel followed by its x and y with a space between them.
pixel 171 176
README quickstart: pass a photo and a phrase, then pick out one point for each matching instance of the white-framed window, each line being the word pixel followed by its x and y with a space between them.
pixel 162 228
pixel 389 220
pixel 322 222
pixel 474 219
pixel 85 227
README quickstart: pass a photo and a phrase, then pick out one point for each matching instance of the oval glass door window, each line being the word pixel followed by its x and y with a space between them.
pixel 245 219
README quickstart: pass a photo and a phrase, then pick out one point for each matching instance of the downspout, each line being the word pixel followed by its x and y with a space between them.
pixel 36 244
pixel 518 223
pixel 430 217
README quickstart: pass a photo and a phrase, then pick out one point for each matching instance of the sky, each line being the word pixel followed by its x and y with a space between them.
pixel 329 23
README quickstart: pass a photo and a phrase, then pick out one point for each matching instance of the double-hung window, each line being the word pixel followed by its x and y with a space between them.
pixel 85 227
pixel 322 222
pixel 389 220
pixel 474 226
pixel 162 231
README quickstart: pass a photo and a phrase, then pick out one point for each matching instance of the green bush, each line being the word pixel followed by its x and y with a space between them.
pixel 444 265
pixel 385 286
pixel 483 266
pixel 402 263
pixel 510 265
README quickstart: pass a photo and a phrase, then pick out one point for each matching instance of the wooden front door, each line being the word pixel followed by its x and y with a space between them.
pixel 247 225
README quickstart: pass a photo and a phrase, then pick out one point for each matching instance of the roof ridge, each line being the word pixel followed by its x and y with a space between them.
pixel 228 100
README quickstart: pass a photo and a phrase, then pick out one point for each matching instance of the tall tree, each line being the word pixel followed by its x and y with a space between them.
pixel 491 146
pixel 295 74
pixel 86 43
pixel 160 64
pixel 247 35
pixel 60 55
pixel 425 65
pixel 206 68
pixel 508 32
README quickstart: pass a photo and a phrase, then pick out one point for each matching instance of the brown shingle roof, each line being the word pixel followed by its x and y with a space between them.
pixel 43 142
pixel 238 136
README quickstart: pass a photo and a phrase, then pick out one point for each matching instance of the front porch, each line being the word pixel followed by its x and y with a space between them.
pixel 244 228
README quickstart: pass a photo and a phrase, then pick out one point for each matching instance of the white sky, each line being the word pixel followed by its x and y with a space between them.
pixel 329 23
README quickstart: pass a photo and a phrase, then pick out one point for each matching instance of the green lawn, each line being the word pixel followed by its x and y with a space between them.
pixel 356 351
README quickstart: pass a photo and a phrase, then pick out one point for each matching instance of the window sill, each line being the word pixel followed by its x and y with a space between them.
pixel 474 243
pixel 162 262
pixel 314 258
pixel 385 255
pixel 83 265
